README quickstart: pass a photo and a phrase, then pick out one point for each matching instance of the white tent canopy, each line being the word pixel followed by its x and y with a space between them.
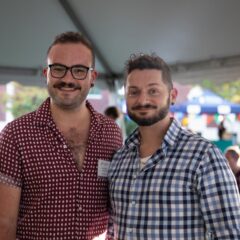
pixel 201 101
pixel 199 39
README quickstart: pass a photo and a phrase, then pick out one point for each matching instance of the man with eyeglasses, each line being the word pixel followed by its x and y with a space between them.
pixel 54 161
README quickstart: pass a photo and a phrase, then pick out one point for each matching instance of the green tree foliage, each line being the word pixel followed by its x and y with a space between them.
pixel 227 90
pixel 25 99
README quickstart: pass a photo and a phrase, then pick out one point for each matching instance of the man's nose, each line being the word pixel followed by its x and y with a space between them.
pixel 143 97
pixel 68 76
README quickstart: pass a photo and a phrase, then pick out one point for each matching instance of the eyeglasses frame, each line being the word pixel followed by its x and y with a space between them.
pixel 70 68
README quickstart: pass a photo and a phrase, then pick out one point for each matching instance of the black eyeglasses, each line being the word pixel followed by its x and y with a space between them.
pixel 78 71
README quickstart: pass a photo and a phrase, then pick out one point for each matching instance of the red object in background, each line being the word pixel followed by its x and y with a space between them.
pixel 211 121
pixel 238 117
pixel 101 103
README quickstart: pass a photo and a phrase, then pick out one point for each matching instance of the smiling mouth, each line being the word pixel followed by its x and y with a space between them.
pixel 67 89
pixel 143 108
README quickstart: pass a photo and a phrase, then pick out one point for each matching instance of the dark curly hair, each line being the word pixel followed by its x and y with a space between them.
pixel 145 61
pixel 112 112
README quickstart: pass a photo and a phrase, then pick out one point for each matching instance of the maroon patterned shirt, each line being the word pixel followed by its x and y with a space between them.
pixel 57 200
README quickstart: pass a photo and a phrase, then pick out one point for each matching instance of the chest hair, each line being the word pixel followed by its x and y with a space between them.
pixel 77 141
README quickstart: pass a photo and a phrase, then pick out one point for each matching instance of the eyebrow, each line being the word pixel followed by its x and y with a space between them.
pixel 149 85
pixel 153 84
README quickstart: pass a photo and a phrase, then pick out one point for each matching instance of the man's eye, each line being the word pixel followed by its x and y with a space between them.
pixel 153 92
pixel 133 93
pixel 79 70
pixel 58 69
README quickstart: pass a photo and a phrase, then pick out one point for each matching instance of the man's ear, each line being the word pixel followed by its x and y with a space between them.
pixel 94 75
pixel 173 96
pixel 44 72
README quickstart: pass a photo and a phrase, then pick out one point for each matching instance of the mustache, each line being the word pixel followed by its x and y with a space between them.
pixel 66 85
pixel 146 106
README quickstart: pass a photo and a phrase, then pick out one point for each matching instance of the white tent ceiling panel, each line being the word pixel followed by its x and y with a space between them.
pixel 181 32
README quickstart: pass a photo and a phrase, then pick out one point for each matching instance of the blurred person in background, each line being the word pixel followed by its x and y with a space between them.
pixel 232 154
pixel 114 113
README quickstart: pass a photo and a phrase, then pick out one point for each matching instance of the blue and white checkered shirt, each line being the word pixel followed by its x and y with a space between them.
pixel 185 191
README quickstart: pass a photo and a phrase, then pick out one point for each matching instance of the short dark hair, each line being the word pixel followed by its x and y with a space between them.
pixel 145 61
pixel 112 112
pixel 73 37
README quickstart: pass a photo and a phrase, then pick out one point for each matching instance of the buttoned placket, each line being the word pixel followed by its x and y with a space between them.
pixel 135 186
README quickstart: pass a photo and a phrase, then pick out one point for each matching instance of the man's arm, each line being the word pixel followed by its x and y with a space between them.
pixel 9 206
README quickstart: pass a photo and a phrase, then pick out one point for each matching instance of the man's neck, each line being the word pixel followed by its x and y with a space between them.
pixel 74 126
pixel 151 137
pixel 154 132
pixel 69 117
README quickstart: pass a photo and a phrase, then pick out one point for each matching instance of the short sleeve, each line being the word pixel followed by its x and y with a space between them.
pixel 10 164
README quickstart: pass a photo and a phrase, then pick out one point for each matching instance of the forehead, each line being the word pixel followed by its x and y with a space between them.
pixel 144 78
pixel 69 53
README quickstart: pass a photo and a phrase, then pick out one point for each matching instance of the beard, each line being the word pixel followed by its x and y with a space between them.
pixel 148 121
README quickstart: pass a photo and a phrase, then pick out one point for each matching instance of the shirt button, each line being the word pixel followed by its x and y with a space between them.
pixel 65 146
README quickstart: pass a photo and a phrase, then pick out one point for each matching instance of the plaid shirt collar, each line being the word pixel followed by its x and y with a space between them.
pixel 170 139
